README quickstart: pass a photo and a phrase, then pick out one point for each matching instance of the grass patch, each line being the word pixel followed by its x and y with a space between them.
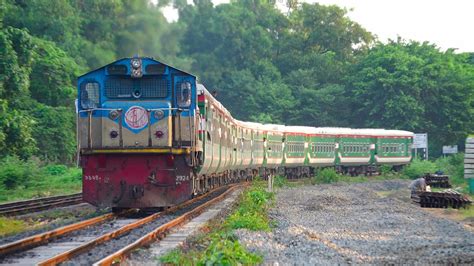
pixel 384 194
pixel 329 175
pixel 220 246
pixel 467 213
pixel 280 181
pixel 9 226
pixel 29 179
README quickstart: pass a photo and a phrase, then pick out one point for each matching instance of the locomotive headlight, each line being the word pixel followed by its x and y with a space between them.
pixel 136 63
pixel 184 94
pixel 137 73
pixel 158 114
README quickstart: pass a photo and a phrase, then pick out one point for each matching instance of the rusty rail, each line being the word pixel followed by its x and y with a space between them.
pixel 69 254
pixel 160 231
pixel 26 206
pixel 42 238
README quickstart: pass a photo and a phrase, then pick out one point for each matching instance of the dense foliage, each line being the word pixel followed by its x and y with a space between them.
pixel 309 65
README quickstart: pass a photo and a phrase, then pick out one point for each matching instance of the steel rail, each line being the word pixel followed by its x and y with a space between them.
pixel 163 229
pixel 69 254
pixel 39 204
pixel 39 239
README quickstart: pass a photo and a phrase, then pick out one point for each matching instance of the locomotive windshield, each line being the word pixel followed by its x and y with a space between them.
pixel 90 95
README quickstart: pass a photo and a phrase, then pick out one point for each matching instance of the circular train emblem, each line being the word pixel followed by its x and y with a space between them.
pixel 136 117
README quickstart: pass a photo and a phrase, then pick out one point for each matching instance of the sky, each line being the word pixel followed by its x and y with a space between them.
pixel 448 24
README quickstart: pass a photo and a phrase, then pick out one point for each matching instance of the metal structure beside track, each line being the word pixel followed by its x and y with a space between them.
pixel 40 204
pixel 446 199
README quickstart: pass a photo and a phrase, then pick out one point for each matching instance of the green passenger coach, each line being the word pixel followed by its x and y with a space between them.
pixel 233 149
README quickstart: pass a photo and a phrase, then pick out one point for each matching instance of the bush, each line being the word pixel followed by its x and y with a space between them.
pixel 251 213
pixel 452 165
pixel 15 172
pixel 418 168
pixel 225 249
pixel 55 169
pixel 279 181
pixel 326 176
pixel 385 169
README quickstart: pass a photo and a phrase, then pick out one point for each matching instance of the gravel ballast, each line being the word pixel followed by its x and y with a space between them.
pixel 353 223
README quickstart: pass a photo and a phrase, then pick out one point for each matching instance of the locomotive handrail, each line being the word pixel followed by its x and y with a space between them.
pixel 169 109
pixel 100 109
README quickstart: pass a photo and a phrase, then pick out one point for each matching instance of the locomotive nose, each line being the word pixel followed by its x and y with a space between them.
pixel 136 126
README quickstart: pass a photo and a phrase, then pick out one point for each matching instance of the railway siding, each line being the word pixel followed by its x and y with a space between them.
pixel 34 205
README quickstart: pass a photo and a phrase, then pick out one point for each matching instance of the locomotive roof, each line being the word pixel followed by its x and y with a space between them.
pixel 143 58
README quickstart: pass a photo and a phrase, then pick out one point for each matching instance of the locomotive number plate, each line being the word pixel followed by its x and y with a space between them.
pixel 92 178
pixel 181 178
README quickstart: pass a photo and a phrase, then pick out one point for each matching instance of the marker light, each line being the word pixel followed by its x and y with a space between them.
pixel 159 134
pixel 113 114
pixel 158 114
pixel 113 134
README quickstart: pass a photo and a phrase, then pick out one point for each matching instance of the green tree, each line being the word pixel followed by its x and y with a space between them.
pixel 15 67
pixel 55 133
pixel 53 75
pixel 415 87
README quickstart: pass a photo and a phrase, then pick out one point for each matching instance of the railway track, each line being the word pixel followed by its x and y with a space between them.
pixel 105 239
pixel 40 204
